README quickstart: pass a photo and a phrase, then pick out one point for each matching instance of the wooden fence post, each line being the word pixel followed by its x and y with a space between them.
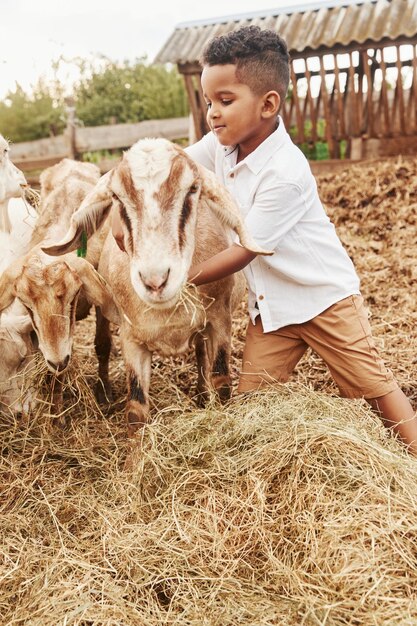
pixel 70 130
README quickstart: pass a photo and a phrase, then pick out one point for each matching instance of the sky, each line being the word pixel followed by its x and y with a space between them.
pixel 33 33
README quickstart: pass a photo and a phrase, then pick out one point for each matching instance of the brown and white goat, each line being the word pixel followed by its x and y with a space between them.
pixel 54 291
pixel 16 346
pixel 16 363
pixel 174 214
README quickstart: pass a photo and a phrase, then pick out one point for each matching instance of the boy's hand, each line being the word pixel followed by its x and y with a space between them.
pixel 117 230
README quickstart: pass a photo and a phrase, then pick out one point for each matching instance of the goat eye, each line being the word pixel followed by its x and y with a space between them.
pixel 193 188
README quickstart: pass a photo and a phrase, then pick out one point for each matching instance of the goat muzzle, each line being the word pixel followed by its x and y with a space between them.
pixel 61 366
pixel 156 282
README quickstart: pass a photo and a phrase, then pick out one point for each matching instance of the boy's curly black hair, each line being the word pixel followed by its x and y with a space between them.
pixel 261 58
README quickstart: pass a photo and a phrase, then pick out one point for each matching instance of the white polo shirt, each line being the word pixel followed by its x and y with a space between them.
pixel 277 196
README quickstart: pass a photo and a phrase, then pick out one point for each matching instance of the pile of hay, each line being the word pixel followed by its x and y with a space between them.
pixel 289 507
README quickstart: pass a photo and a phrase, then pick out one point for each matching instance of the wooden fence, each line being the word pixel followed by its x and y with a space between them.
pixel 76 141
pixel 34 156
pixel 363 98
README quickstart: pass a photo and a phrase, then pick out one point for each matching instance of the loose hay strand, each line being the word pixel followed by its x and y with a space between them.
pixel 32 197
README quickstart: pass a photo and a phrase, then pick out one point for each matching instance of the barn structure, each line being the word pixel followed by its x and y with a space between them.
pixel 353 72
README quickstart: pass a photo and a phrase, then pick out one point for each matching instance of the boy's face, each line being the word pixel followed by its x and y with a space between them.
pixel 235 114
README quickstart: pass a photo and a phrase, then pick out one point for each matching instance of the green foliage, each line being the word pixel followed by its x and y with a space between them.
pixel 129 93
pixel 106 93
pixel 24 117
pixel 314 150
pixel 97 156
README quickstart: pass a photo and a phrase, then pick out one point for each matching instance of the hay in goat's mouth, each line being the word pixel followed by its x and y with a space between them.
pixel 286 507
pixel 32 196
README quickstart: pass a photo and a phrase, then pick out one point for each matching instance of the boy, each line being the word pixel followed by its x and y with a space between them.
pixel 307 293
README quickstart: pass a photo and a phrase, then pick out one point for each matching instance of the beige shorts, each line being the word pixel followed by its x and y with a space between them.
pixel 341 336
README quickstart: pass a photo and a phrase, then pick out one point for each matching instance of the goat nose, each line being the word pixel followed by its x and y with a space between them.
pixel 60 366
pixel 155 282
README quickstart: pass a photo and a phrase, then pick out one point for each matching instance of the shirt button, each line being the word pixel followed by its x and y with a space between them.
pixel 260 297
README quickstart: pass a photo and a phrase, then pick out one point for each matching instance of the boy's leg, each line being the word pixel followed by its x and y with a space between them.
pixel 396 412
pixel 269 358
pixel 342 336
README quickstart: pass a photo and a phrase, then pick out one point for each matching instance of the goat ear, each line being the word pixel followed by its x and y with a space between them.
pixel 96 289
pixel 88 218
pixel 220 201
pixel 7 283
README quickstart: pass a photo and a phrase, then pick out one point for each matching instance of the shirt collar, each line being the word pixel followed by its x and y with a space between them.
pixel 256 160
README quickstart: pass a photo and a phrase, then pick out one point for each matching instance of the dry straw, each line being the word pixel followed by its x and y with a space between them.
pixel 32 196
pixel 288 507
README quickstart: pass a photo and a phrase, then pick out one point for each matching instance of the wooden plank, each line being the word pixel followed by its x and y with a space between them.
pixel 202 106
pixel 329 166
pixel 309 101
pixel 412 97
pixel 98 138
pixel 48 148
pixel 283 113
pixel 40 163
pixel 355 148
pixel 368 118
pixel 192 99
pixel 328 72
pixel 124 135
pixel 340 107
pixel 400 95
pixel 352 47
pixel 71 129
pixel 386 124
pixel 389 146
pixel 289 111
pixel 326 109
pixel 359 99
pixel 353 100
pixel 298 115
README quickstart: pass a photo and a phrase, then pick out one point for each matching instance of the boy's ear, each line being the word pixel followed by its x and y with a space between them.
pixel 272 104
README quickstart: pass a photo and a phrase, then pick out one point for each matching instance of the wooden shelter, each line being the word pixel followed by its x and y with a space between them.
pixel 353 72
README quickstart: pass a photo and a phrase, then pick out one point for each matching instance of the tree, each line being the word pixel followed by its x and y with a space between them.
pixel 107 92
pixel 122 93
pixel 24 117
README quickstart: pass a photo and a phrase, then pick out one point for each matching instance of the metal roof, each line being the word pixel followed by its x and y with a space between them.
pixel 326 23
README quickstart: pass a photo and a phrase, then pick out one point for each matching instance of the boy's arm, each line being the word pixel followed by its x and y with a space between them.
pixel 226 262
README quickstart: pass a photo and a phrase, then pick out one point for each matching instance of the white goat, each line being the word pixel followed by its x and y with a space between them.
pixel 12 183
pixel 55 292
pixel 173 213
pixel 17 220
